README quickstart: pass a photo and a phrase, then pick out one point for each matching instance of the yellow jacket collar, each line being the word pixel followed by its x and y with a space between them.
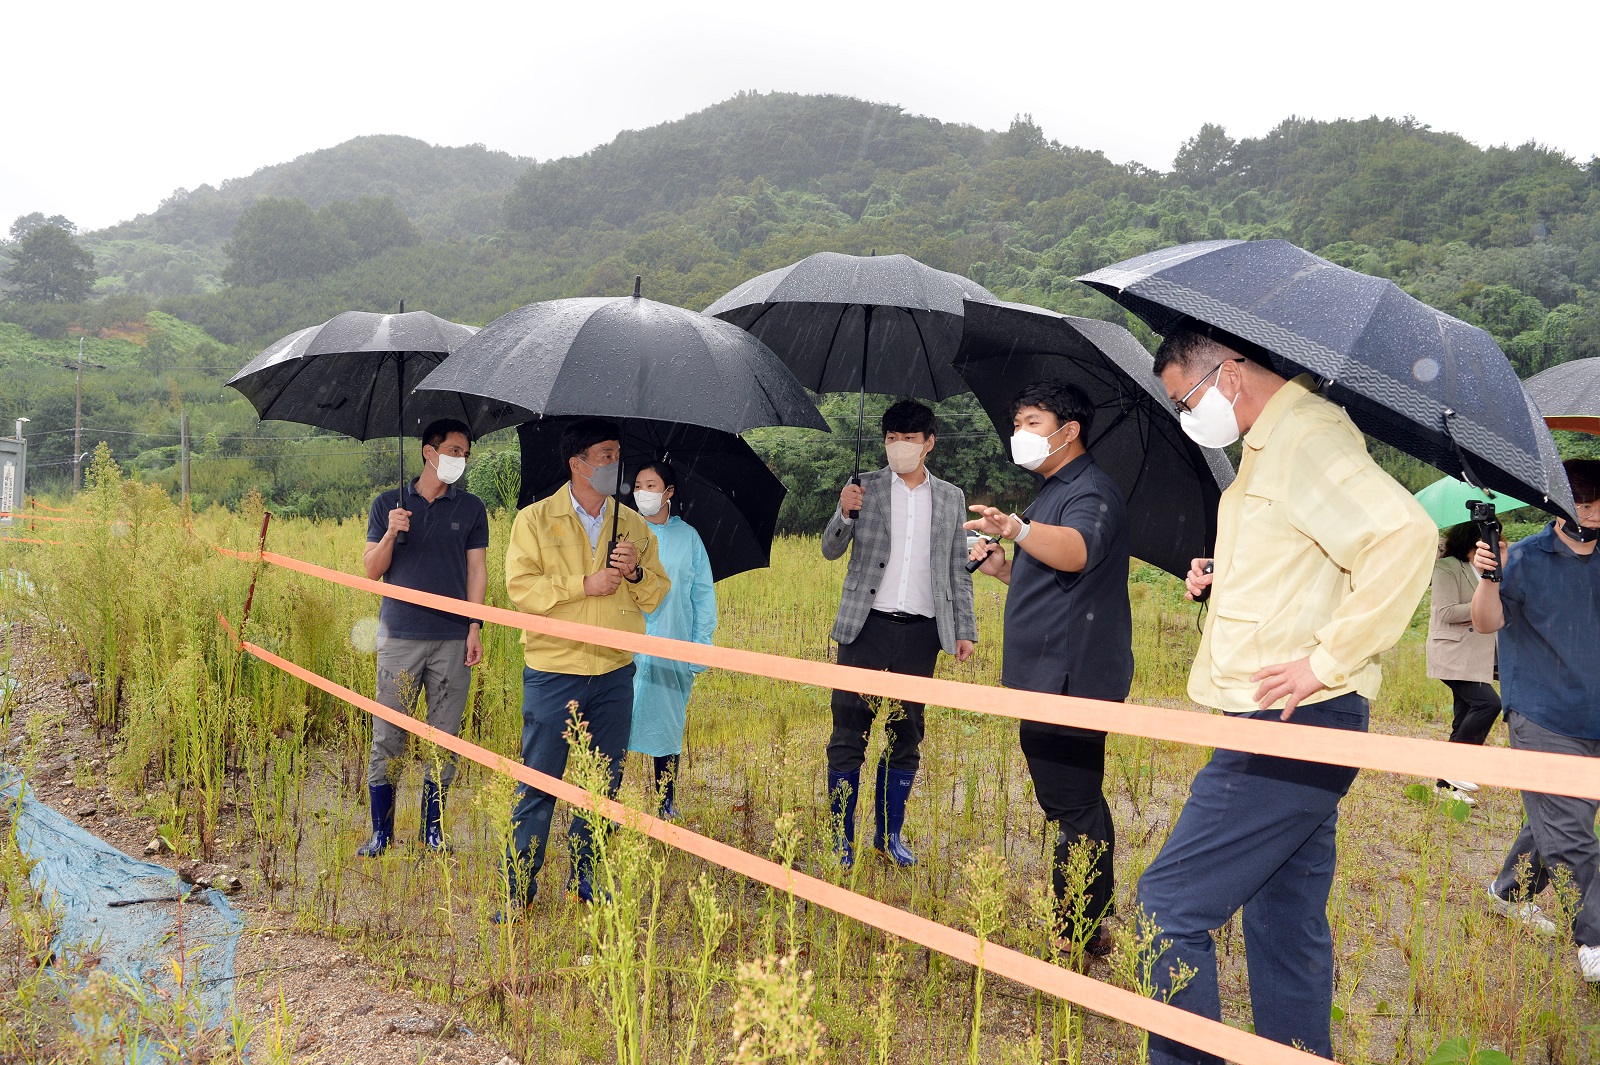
pixel 1291 393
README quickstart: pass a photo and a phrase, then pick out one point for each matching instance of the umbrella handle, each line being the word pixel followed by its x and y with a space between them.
pixel 855 479
pixel 974 563
pixel 1488 523
pixel 400 426
pixel 1205 593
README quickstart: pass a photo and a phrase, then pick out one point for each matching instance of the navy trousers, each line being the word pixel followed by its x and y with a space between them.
pixel 605 703
pixel 1257 833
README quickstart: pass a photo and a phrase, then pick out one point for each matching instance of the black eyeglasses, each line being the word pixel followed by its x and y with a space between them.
pixel 1181 406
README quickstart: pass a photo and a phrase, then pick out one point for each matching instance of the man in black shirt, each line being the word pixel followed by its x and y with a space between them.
pixel 419 648
pixel 1068 626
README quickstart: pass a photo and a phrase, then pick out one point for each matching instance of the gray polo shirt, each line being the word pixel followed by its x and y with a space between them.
pixel 1072 633
pixel 433 559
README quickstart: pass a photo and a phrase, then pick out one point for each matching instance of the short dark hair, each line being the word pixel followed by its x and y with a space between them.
pixel 581 434
pixel 1180 346
pixel 1190 338
pixel 1065 400
pixel 1584 474
pixel 663 470
pixel 909 416
pixel 440 428
pixel 1460 541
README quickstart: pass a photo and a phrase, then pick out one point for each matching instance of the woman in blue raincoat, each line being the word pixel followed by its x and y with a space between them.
pixel 689 612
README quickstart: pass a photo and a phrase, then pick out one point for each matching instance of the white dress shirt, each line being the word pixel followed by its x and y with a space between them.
pixel 907 583
pixel 591 522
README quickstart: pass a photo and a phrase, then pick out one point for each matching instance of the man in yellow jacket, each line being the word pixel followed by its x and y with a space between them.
pixel 556 566
pixel 1321 559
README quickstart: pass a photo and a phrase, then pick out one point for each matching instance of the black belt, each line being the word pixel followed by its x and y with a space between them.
pixel 901 617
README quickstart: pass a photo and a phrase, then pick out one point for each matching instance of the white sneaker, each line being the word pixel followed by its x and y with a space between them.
pixel 1589 962
pixel 1460 796
pixel 1462 785
pixel 1533 917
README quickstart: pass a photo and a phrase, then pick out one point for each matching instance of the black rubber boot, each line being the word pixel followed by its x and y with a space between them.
pixel 894 788
pixel 433 816
pixel 381 798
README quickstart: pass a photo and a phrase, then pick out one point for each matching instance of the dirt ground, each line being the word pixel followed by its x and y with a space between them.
pixel 339 1007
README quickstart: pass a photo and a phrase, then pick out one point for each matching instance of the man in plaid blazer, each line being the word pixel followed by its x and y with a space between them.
pixel 907 595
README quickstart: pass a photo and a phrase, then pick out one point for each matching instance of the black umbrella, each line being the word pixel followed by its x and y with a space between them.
pixel 1568 395
pixel 625 357
pixel 724 489
pixel 354 374
pixel 867 323
pixel 1416 378
pixel 1171 484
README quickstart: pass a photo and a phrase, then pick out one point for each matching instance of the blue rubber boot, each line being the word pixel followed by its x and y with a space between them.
pixel 433 817
pixel 381 798
pixel 894 788
pixel 842 791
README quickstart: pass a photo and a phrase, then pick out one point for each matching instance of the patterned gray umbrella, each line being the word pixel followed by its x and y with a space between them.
pixel 1414 377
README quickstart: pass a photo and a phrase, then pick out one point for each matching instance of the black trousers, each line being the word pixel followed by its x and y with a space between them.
pixel 1477 705
pixel 899 647
pixel 1068 768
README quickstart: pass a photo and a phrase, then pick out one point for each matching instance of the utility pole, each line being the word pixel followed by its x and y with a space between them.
pixel 77 425
pixel 183 435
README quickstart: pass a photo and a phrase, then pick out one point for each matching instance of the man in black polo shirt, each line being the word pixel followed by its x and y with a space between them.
pixel 1068 626
pixel 421 649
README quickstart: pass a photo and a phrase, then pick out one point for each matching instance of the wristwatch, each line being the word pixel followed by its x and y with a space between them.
pixel 1024 527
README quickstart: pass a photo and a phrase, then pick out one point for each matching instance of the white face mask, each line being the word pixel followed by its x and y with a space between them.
pixel 904 456
pixel 1030 450
pixel 1212 422
pixel 450 468
pixel 648 503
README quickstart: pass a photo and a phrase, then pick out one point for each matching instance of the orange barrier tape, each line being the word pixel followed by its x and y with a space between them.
pixel 45 506
pixel 1557 774
pixel 26 540
pixel 1103 998
pixel 22 515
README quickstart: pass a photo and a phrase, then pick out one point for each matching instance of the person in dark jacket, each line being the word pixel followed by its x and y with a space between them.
pixel 1068 624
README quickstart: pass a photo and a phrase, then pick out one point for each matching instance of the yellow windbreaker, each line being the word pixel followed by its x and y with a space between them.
pixel 546 561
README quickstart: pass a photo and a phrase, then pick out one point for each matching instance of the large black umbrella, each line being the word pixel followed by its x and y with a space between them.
pixel 1416 378
pixel 1171 484
pixel 724 489
pixel 1568 395
pixel 625 357
pixel 859 323
pixel 355 374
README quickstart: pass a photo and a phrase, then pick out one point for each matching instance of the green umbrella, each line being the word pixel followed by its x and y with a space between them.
pixel 1446 500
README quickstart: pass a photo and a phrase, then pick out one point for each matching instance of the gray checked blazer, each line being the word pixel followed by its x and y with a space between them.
pixel 947 540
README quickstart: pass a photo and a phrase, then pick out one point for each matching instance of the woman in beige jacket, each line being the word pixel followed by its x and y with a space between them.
pixel 1458 654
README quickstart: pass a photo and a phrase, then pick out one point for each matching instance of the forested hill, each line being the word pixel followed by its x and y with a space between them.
pixel 180 246
pixel 1506 237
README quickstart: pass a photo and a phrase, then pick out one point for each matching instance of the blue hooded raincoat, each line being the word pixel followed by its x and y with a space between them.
pixel 689 612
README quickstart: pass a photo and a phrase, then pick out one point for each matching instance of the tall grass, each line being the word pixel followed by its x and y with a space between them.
pixel 681 962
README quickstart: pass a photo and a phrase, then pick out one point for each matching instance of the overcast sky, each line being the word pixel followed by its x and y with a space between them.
pixel 113 106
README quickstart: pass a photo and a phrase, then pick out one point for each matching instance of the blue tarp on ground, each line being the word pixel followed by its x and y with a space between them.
pixel 82 875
